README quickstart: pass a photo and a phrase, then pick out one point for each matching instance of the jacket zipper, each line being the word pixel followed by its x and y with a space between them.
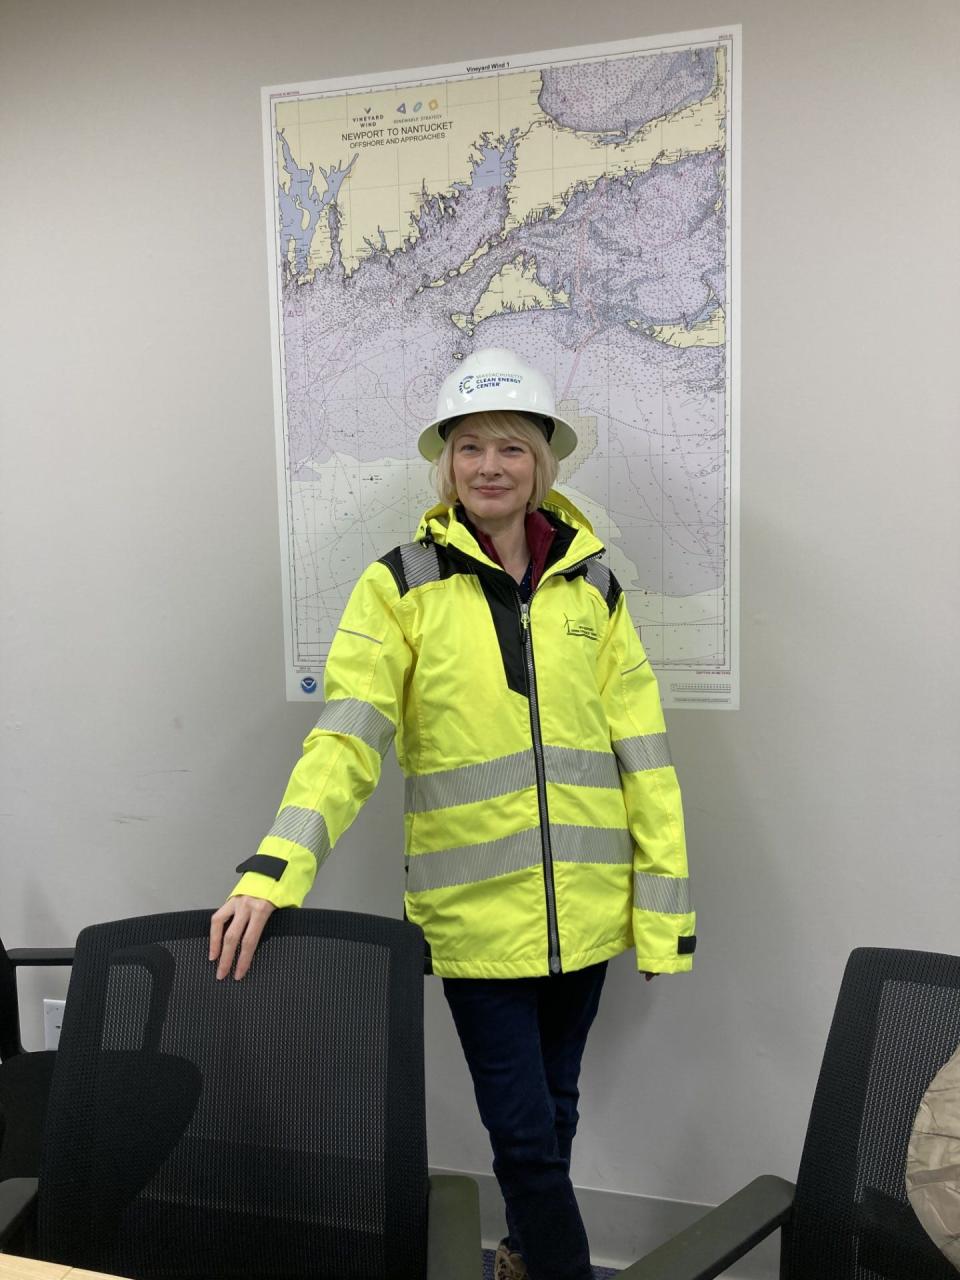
pixel 553 932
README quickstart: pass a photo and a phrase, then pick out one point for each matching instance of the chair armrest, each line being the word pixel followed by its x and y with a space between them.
pixel 453 1229
pixel 724 1234
pixel 17 1201
pixel 46 956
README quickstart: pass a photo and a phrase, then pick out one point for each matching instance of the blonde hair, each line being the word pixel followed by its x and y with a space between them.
pixel 500 424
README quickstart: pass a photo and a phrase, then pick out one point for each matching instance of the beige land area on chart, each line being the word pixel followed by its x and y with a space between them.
pixel 403 160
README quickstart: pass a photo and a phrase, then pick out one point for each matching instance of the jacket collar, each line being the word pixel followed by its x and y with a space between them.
pixel 541 533
pixel 440 525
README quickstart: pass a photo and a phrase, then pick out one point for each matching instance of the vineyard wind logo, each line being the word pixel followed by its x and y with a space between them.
pixel 574 628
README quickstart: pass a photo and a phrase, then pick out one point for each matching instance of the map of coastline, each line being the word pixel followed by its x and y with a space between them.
pixel 576 213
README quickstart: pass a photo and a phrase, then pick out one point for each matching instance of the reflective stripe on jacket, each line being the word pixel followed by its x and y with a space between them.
pixel 543 825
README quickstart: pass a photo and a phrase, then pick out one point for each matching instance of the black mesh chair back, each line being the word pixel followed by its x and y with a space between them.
pixel 268 1127
pixel 897 1021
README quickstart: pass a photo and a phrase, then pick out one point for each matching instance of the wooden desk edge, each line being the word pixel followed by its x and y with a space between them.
pixel 14 1268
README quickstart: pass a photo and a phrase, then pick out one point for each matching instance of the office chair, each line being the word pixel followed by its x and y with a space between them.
pixel 269 1127
pixel 24 1077
pixel 896 1022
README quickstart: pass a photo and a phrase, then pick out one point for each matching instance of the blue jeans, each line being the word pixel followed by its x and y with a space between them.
pixel 523 1039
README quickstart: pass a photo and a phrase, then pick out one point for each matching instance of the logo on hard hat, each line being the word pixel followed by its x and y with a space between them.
pixel 488 382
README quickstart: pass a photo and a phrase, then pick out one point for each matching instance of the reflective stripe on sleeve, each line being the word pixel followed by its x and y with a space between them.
pixel 305 827
pixel 668 894
pixel 646 751
pixel 362 635
pixel 359 720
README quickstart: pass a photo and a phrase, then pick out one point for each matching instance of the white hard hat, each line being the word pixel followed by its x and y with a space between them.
pixel 496 379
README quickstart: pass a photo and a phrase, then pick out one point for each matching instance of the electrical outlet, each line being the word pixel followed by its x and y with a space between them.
pixel 52 1022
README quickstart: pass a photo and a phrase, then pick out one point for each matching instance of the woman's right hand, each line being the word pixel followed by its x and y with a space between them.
pixel 235 931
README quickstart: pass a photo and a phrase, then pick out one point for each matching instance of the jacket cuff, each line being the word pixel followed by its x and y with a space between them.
pixel 261 886
pixel 664 964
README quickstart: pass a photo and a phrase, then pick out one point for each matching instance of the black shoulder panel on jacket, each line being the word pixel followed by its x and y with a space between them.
pixel 395 565
pixel 417 563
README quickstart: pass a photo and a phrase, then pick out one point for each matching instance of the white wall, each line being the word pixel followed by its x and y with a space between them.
pixel 145 736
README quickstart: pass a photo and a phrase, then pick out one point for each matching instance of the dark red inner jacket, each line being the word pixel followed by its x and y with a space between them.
pixel 540 534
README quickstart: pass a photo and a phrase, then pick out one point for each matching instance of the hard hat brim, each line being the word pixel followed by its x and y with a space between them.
pixel 562 442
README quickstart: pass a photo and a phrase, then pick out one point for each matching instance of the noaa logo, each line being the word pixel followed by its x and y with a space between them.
pixel 309 684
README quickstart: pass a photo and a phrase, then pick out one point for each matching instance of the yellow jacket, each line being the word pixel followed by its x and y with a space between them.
pixel 543 825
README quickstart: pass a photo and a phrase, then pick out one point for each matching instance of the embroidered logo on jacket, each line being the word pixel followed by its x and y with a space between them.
pixel 574 628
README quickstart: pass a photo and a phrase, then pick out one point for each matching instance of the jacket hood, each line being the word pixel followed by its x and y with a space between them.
pixel 437 521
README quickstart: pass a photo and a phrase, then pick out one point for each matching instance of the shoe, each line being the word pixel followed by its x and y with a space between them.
pixel 508 1265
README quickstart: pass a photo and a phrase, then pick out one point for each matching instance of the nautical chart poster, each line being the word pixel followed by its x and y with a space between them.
pixel 579 207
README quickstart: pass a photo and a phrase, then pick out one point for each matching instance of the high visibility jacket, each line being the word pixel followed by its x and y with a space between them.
pixel 543 825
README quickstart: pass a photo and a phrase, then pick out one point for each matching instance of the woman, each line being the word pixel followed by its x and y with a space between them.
pixel 543 826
